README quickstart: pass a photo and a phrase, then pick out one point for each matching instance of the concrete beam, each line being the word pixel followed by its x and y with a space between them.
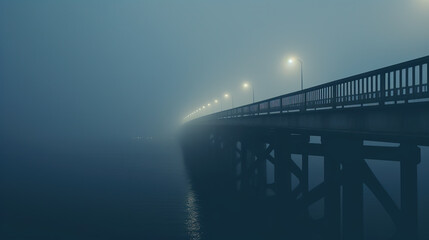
pixel 389 122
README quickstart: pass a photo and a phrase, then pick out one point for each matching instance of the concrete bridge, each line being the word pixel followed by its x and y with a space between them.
pixel 335 121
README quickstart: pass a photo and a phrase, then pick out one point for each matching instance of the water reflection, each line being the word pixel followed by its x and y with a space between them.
pixel 192 220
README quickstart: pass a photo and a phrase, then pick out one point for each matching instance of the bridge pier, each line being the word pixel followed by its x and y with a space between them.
pixel 352 162
pixel 227 166
pixel 408 177
pixel 245 159
pixel 253 168
pixel 282 172
pixel 260 169
pixel 304 170
pixel 332 210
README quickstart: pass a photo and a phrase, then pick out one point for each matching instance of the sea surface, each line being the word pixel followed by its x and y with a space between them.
pixel 116 190
pixel 139 189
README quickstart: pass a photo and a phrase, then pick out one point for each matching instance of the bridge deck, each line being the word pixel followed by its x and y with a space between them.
pixel 388 102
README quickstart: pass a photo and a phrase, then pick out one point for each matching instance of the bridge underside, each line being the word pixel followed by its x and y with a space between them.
pixel 238 160
pixel 396 122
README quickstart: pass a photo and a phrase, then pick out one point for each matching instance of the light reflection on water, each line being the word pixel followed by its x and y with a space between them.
pixel 193 219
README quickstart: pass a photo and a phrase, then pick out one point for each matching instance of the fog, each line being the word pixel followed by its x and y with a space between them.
pixel 120 69
pixel 103 73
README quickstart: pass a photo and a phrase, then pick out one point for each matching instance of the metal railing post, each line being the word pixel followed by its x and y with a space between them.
pixel 382 88
pixel 334 96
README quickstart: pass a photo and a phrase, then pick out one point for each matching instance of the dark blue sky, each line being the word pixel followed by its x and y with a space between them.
pixel 74 69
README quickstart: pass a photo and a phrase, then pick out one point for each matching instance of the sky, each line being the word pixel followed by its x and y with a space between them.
pixel 87 69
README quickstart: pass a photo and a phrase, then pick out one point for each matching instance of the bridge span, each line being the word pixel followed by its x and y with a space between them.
pixel 391 101
pixel 234 150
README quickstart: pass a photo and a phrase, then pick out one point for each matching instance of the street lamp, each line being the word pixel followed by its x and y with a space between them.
pixel 228 96
pixel 216 101
pixel 203 108
pixel 247 85
pixel 291 60
pixel 208 108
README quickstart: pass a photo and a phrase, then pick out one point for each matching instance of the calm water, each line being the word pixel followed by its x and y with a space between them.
pixel 128 190
pixel 140 190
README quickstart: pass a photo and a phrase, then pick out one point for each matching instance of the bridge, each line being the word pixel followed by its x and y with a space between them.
pixel 243 146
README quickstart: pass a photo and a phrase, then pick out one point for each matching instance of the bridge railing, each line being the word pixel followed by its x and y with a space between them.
pixel 401 83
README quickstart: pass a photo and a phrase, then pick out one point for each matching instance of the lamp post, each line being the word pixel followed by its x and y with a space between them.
pixel 208 108
pixel 216 102
pixel 247 85
pixel 229 96
pixel 203 110
pixel 291 60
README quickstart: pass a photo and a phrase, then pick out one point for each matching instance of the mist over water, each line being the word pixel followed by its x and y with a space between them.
pixel 120 190
pixel 141 189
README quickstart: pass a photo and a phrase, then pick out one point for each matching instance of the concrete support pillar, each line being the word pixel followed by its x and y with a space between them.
pixel 304 170
pixel 282 172
pixel 253 168
pixel 246 160
pixel 225 167
pixel 333 191
pixel 410 159
pixel 261 169
pixel 351 155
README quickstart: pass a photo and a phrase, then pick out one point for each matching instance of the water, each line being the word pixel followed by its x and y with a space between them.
pixel 128 190
pixel 141 190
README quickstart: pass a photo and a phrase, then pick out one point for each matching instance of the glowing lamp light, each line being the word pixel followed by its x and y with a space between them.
pixel 292 60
